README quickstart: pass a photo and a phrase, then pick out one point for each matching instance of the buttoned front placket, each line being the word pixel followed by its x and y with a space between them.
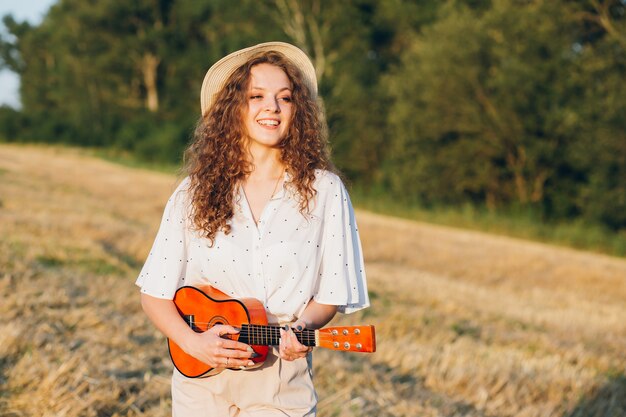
pixel 259 237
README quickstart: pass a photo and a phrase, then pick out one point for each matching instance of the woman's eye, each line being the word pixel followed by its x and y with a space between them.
pixel 285 99
pixel 256 97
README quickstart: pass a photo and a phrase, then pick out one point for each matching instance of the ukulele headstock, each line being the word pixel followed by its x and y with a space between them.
pixel 348 338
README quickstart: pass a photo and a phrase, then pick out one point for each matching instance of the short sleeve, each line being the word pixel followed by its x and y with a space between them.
pixel 164 270
pixel 341 278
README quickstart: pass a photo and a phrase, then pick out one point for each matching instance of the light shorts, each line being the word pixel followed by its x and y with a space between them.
pixel 277 388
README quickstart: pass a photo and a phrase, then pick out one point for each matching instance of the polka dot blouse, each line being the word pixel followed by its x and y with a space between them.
pixel 283 261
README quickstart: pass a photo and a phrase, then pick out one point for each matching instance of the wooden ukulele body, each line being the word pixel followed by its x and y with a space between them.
pixel 204 307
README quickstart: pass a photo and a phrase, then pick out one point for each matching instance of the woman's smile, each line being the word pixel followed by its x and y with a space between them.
pixel 269 123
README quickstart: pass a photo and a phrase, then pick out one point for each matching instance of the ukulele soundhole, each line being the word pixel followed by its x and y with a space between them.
pixel 217 320
pixel 190 319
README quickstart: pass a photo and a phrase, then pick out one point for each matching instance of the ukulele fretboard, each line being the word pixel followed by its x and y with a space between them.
pixel 255 334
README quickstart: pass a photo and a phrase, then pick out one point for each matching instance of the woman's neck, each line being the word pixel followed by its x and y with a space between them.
pixel 263 181
pixel 266 163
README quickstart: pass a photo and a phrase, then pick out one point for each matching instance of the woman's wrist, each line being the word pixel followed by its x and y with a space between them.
pixel 187 340
pixel 317 315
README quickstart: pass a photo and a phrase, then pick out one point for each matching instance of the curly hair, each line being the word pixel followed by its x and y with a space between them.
pixel 216 160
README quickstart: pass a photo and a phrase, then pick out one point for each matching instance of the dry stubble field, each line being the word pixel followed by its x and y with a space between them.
pixel 468 324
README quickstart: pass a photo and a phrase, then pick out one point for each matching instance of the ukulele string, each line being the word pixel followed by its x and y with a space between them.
pixel 272 330
pixel 263 333
pixel 268 333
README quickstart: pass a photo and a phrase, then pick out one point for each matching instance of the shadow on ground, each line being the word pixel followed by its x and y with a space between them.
pixel 606 401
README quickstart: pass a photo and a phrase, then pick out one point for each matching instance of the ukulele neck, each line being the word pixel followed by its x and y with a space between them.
pixel 254 334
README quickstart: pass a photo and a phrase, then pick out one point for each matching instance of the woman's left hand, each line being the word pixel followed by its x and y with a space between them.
pixel 290 348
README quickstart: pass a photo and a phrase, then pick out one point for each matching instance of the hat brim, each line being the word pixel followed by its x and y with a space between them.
pixel 218 74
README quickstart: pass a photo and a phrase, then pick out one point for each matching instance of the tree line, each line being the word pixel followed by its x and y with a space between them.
pixel 503 104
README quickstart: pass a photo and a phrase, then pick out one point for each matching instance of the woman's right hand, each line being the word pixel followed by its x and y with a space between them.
pixel 209 347
pixel 216 351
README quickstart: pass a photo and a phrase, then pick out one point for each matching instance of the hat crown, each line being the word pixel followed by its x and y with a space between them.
pixel 219 73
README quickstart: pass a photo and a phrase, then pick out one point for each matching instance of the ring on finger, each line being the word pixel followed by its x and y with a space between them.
pixel 227 359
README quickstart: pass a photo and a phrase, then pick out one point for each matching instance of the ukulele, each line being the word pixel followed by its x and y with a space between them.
pixel 205 307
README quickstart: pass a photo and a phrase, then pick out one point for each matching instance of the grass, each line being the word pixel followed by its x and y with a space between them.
pixel 129 160
pixel 467 323
pixel 515 223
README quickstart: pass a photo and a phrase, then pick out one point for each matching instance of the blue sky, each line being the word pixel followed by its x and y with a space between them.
pixel 33 11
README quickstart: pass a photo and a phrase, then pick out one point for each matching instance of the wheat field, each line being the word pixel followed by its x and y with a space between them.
pixel 468 324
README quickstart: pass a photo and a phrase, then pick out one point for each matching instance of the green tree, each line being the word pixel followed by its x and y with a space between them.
pixel 480 104
pixel 600 154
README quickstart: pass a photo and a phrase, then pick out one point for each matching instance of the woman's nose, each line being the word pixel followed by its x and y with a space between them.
pixel 272 105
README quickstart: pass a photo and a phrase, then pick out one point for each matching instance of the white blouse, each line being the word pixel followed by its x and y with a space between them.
pixel 285 261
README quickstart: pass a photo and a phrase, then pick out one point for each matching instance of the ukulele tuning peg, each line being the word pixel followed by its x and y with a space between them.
pixel 357 331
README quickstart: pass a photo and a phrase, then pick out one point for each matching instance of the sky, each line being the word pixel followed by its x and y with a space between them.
pixel 33 11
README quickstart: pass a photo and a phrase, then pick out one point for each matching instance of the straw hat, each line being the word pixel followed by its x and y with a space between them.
pixel 217 75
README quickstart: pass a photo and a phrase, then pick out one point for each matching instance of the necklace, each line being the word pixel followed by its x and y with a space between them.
pixel 256 221
pixel 276 184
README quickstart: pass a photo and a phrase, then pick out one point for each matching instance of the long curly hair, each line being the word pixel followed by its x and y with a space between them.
pixel 216 160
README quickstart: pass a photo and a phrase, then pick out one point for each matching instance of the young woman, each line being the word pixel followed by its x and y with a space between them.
pixel 261 214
